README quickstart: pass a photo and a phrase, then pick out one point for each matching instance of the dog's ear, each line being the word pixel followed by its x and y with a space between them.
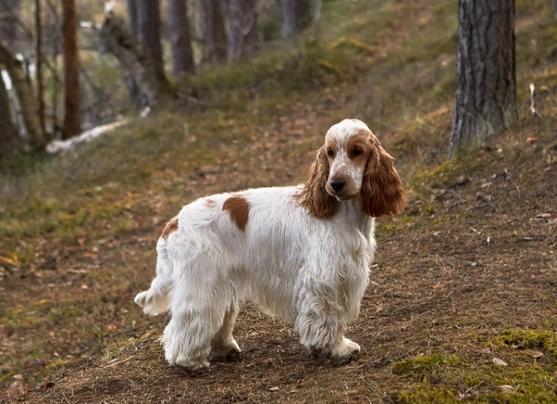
pixel 382 191
pixel 314 197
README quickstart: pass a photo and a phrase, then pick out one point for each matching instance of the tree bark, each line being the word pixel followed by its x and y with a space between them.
pixel 180 41
pixel 9 10
pixel 243 32
pixel 24 94
pixel 133 89
pixel 296 16
pixel 148 31
pixel 485 101
pixel 115 39
pixel 210 28
pixel 39 64
pixel 8 132
pixel 131 11
pixel 72 119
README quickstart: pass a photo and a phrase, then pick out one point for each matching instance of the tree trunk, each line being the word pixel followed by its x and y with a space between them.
pixel 296 16
pixel 9 12
pixel 210 28
pixel 24 94
pixel 243 32
pixel 486 69
pixel 8 133
pixel 148 31
pixel 179 33
pixel 114 38
pixel 72 122
pixel 133 89
pixel 39 65
pixel 131 11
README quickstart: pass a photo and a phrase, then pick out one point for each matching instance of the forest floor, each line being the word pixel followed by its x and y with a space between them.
pixel 461 304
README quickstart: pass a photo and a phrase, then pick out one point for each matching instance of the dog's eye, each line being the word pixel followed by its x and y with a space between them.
pixel 330 153
pixel 357 152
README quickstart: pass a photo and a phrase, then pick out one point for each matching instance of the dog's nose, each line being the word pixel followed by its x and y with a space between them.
pixel 337 184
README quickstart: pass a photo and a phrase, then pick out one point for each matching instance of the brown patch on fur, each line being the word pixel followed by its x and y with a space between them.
pixel 210 203
pixel 314 197
pixel 170 227
pixel 382 191
pixel 238 209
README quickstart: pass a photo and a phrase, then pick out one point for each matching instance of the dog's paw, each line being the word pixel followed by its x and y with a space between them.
pixel 230 355
pixel 192 368
pixel 343 353
pixel 345 359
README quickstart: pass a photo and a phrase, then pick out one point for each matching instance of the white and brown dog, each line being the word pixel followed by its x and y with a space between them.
pixel 302 253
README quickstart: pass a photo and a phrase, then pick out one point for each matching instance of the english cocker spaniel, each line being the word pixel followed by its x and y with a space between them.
pixel 302 253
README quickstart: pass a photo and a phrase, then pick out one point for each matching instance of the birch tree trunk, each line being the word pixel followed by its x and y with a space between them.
pixel 210 28
pixel 180 41
pixel 243 33
pixel 24 94
pixel 72 119
pixel 8 133
pixel 485 101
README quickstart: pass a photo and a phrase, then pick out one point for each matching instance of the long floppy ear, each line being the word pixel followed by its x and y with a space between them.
pixel 314 197
pixel 382 191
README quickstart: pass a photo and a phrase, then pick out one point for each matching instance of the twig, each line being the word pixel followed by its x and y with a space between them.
pixel 532 106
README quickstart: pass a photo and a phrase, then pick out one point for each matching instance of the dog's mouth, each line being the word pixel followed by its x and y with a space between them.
pixel 341 195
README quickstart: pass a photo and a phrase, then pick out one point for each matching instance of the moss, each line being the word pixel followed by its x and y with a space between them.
pixel 541 340
pixel 53 366
pixel 421 393
pixel 421 366
pixel 450 378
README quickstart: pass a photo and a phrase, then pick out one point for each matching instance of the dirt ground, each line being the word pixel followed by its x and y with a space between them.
pixel 474 254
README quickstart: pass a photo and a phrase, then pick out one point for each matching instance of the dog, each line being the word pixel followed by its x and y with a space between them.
pixel 302 253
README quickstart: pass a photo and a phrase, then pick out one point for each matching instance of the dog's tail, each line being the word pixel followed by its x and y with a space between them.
pixel 155 300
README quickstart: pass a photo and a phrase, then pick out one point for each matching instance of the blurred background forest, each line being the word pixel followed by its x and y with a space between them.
pixel 69 66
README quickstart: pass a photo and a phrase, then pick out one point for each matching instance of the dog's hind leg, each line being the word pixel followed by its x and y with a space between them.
pixel 223 344
pixel 155 300
pixel 199 301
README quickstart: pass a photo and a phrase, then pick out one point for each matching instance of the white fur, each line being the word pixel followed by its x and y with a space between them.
pixel 311 272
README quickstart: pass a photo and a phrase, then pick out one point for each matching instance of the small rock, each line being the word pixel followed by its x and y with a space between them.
pixel 500 362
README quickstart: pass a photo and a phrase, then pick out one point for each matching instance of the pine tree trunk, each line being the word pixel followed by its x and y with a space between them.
pixel 210 28
pixel 149 31
pixel 114 38
pixel 486 69
pixel 131 11
pixel 243 32
pixel 39 64
pixel 9 12
pixel 8 133
pixel 296 16
pixel 24 94
pixel 179 33
pixel 72 119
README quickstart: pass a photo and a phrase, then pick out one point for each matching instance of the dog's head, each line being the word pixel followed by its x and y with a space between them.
pixel 353 164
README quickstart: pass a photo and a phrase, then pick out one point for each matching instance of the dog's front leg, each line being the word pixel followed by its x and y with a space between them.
pixel 322 321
